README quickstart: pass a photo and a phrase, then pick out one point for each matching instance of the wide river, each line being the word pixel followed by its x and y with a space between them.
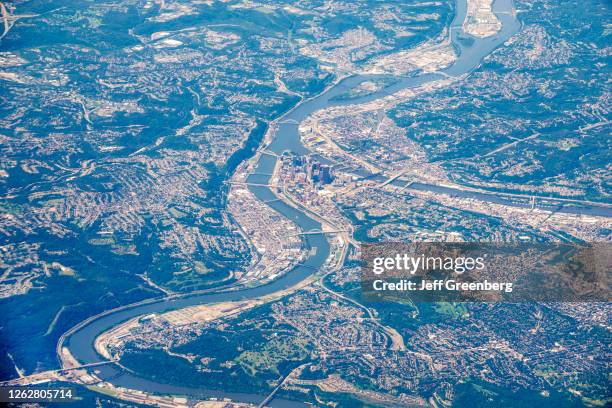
pixel 80 340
